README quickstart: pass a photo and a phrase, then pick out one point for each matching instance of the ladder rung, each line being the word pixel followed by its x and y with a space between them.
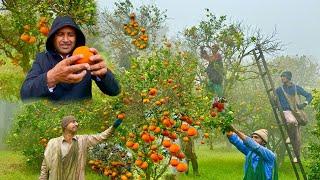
pixel 269 90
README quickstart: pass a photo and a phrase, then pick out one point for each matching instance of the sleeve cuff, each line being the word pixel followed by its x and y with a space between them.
pixel 51 89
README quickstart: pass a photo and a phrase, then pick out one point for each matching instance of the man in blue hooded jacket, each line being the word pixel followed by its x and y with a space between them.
pixel 54 74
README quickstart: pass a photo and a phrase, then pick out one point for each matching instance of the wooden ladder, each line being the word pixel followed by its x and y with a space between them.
pixel 276 108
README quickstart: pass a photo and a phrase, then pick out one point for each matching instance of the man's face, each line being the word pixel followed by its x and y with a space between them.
pixel 257 139
pixel 65 40
pixel 284 79
pixel 72 127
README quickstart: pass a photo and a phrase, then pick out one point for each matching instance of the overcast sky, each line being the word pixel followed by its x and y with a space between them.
pixel 297 21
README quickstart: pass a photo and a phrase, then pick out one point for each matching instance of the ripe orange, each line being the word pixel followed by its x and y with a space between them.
pixel 32 40
pixel 154 157
pixel 84 50
pixel 44 30
pixel 146 138
pixel 182 167
pixel 144 165
pixel 192 131
pixel 181 155
pixel 129 143
pixel 153 92
pixel 152 127
pixel 123 177
pixel 173 136
pixel 138 162
pixel 166 143
pixel 128 174
pixel 174 162
pixel 157 130
pixel 185 127
pixel 186 139
pixel 174 148
pixel 213 114
pixel 206 135
pixel 121 116
pixel 135 146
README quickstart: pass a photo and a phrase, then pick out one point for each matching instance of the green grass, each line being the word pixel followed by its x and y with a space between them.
pixel 226 164
pixel 220 163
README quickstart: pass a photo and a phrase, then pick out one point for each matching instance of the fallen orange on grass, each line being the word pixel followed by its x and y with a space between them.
pixel 85 51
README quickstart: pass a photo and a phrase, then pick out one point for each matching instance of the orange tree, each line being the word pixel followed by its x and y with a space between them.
pixel 148 17
pixel 35 123
pixel 313 157
pixel 25 24
pixel 160 101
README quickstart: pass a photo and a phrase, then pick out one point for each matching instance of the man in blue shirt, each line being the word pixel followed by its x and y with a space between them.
pixel 260 161
pixel 288 95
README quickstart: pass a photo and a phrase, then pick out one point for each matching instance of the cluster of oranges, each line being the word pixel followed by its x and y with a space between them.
pixel 137 33
pixel 111 171
pixel 42 26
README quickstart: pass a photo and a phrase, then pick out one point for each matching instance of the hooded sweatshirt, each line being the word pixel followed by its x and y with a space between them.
pixel 35 85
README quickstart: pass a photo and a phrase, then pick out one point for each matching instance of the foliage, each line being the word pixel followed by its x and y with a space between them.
pixel 314 146
pixel 10 82
pixel 157 102
pixel 215 35
pixel 111 26
pixel 297 65
pixel 22 37
pixel 37 122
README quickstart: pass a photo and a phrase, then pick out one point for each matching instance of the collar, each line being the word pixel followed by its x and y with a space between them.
pixel 73 138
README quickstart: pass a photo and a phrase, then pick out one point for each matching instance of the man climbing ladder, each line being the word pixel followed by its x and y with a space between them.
pixel 292 109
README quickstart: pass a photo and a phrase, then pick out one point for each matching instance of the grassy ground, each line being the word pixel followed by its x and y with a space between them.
pixel 214 165
pixel 227 164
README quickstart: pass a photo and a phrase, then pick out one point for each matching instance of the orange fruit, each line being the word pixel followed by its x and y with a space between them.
pixel 182 167
pixel 157 130
pixel 213 114
pixel 184 127
pixel 206 135
pixel 166 143
pixel 85 51
pixel 153 92
pixel 123 177
pixel 135 146
pixel 192 131
pixel 154 157
pixel 32 40
pixel 129 143
pixel 121 116
pixel 152 127
pixel 146 138
pixel 44 30
pixel 144 165
pixel 128 174
pixel 174 162
pixel 138 162
pixel 181 155
pixel 174 148
pixel 186 139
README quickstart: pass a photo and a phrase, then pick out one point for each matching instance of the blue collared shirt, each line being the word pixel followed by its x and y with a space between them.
pixel 291 90
pixel 248 147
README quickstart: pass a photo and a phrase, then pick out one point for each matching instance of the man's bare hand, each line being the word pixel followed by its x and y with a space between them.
pixel 98 66
pixel 66 72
